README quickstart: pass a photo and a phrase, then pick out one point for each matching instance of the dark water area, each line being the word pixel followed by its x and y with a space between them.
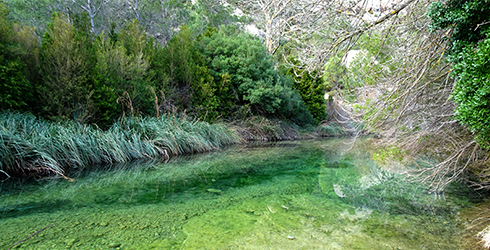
pixel 325 194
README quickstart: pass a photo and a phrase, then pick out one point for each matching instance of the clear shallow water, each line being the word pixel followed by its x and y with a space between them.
pixel 294 195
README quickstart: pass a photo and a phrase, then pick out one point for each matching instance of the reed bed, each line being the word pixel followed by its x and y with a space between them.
pixel 178 135
pixel 259 128
pixel 32 146
pixel 331 130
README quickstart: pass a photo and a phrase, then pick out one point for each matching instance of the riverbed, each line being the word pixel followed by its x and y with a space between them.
pixel 319 194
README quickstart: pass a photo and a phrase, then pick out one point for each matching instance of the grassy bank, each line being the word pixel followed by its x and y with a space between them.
pixel 33 147
pixel 331 130
pixel 258 128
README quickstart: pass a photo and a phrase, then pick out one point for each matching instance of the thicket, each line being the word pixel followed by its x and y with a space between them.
pixel 248 81
pixel 73 74
pixel 427 90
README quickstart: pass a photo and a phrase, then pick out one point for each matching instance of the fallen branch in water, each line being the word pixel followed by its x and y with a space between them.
pixel 30 236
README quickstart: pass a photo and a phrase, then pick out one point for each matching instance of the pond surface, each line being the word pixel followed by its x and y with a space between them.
pixel 291 195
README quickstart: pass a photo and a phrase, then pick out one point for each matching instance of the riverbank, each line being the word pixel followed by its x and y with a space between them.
pixel 32 147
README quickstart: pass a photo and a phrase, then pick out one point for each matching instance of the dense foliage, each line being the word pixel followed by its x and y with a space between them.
pixel 160 19
pixel 312 91
pixel 74 74
pixel 66 64
pixel 14 59
pixel 468 20
pixel 472 89
pixel 470 51
pixel 249 82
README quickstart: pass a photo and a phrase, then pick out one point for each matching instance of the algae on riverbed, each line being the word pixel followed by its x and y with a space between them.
pixel 282 197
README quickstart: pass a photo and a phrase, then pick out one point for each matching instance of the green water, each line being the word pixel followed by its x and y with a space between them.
pixel 293 195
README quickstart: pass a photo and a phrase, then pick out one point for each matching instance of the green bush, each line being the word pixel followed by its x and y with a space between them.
pixel 467 18
pixel 242 64
pixel 192 88
pixel 470 51
pixel 472 89
pixel 312 91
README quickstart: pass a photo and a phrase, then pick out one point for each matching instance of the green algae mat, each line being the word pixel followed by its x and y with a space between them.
pixel 324 194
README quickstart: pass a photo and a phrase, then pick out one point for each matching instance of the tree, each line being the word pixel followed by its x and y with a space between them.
pixel 192 86
pixel 35 13
pixel 312 91
pixel 245 60
pixel 14 86
pixel 92 7
pixel 135 6
pixel 160 19
pixel 123 67
pixel 466 20
pixel 211 13
pixel 18 61
pixel 409 103
pixel 66 67
pixel 242 63
pixel 472 89
pixel 286 20
pixel 315 29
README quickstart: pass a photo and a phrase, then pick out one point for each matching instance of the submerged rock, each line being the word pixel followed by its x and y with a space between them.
pixel 214 191
pixel 114 244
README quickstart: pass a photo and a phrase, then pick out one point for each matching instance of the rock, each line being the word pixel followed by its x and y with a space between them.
pixel 214 191
pixel 70 241
pixel 290 237
pixel 114 244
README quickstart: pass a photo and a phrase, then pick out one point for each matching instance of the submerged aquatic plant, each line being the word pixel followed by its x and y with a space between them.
pixel 31 145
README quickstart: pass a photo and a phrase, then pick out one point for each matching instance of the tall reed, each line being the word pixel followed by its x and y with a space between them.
pixel 33 146
pixel 331 130
pixel 259 128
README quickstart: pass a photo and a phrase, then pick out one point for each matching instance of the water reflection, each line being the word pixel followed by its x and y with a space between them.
pixel 293 195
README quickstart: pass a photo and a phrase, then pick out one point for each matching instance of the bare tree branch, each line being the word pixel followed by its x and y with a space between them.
pixel 92 9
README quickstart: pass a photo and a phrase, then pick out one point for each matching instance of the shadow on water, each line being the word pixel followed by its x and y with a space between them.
pixel 293 195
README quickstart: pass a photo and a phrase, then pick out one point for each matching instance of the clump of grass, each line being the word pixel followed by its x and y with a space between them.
pixel 331 130
pixel 178 135
pixel 18 156
pixel 259 128
pixel 31 145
